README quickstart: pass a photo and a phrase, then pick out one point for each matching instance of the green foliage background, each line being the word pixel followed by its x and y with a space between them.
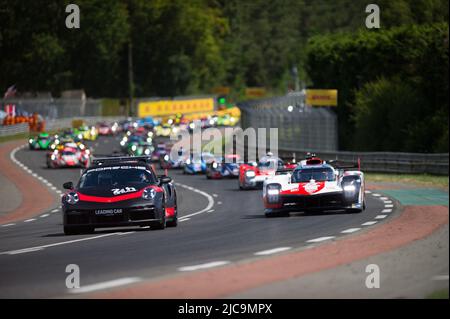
pixel 183 47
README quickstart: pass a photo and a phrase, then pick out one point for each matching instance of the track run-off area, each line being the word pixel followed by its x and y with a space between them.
pixel 220 229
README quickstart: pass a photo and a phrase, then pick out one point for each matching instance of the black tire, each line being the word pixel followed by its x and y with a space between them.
pixel 172 223
pixel 277 214
pixel 353 210
pixel 160 225
pixel 78 230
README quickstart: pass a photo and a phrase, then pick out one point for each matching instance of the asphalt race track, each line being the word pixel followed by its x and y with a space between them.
pixel 223 224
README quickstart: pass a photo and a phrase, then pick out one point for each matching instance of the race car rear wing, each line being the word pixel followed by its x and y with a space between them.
pixel 120 159
pixel 345 165
pixel 282 171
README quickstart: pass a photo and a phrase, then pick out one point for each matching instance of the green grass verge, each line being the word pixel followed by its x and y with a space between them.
pixel 425 180
pixel 22 136
pixel 13 137
pixel 440 294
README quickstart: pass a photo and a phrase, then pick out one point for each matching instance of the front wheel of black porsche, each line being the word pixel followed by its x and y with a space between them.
pixel 159 225
pixel 78 230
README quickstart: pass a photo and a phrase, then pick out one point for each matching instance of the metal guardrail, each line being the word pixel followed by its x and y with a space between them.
pixel 14 129
pixel 51 125
pixel 383 162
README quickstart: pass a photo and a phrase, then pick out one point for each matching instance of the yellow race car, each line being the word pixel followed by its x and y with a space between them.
pixel 88 133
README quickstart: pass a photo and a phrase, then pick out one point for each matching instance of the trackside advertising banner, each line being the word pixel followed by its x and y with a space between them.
pixel 170 107
pixel 321 97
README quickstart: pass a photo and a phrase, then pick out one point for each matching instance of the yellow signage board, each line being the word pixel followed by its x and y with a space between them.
pixel 223 90
pixel 255 92
pixel 321 97
pixel 170 107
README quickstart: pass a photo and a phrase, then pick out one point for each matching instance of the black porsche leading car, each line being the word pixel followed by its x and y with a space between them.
pixel 119 191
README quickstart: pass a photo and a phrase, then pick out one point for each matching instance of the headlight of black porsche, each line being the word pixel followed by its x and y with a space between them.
pixel 149 194
pixel 72 198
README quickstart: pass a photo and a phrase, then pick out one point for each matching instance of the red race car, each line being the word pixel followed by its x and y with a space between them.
pixel 69 156
pixel 104 129
pixel 252 176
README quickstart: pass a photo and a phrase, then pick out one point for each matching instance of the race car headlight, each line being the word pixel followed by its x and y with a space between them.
pixel 150 134
pixel 149 139
pixel 273 193
pixel 53 157
pixel 349 188
pixel 188 161
pixel 250 174
pixel 81 146
pixel 80 136
pixel 72 198
pixel 128 133
pixel 166 157
pixel 148 193
pixel 56 141
pixel 147 152
pixel 133 148
pixel 53 146
pixel 30 140
pixel 215 165
pixel 122 143
pixel 88 152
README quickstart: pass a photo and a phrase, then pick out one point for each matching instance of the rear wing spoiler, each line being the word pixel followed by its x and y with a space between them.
pixel 120 159
pixel 284 171
pixel 345 165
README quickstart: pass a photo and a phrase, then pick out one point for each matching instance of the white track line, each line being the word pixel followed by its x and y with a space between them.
pixel 271 251
pixel 204 210
pixel 44 215
pixel 29 220
pixel 369 223
pixel 389 206
pixel 13 252
pixel 183 219
pixel 105 285
pixel 376 195
pixel 389 210
pixel 380 216
pixel 440 277
pixel 204 266
pixel 350 230
pixel 7 225
pixel 320 239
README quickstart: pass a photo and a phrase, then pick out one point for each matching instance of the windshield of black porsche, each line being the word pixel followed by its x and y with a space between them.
pixel 117 176
pixel 318 174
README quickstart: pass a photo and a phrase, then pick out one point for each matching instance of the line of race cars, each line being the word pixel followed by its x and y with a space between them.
pixel 123 189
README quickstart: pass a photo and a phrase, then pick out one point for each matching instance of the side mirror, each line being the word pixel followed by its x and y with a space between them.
pixel 68 185
pixel 164 179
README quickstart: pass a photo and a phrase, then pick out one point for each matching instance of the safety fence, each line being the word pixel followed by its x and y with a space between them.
pixel 14 129
pixel 299 126
pixel 382 162
pixel 59 108
pixel 57 124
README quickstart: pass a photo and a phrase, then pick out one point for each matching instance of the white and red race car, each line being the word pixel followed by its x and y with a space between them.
pixel 315 185
pixel 252 176
pixel 70 155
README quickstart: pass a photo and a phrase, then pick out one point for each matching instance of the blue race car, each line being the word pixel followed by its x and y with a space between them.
pixel 198 164
pixel 224 168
